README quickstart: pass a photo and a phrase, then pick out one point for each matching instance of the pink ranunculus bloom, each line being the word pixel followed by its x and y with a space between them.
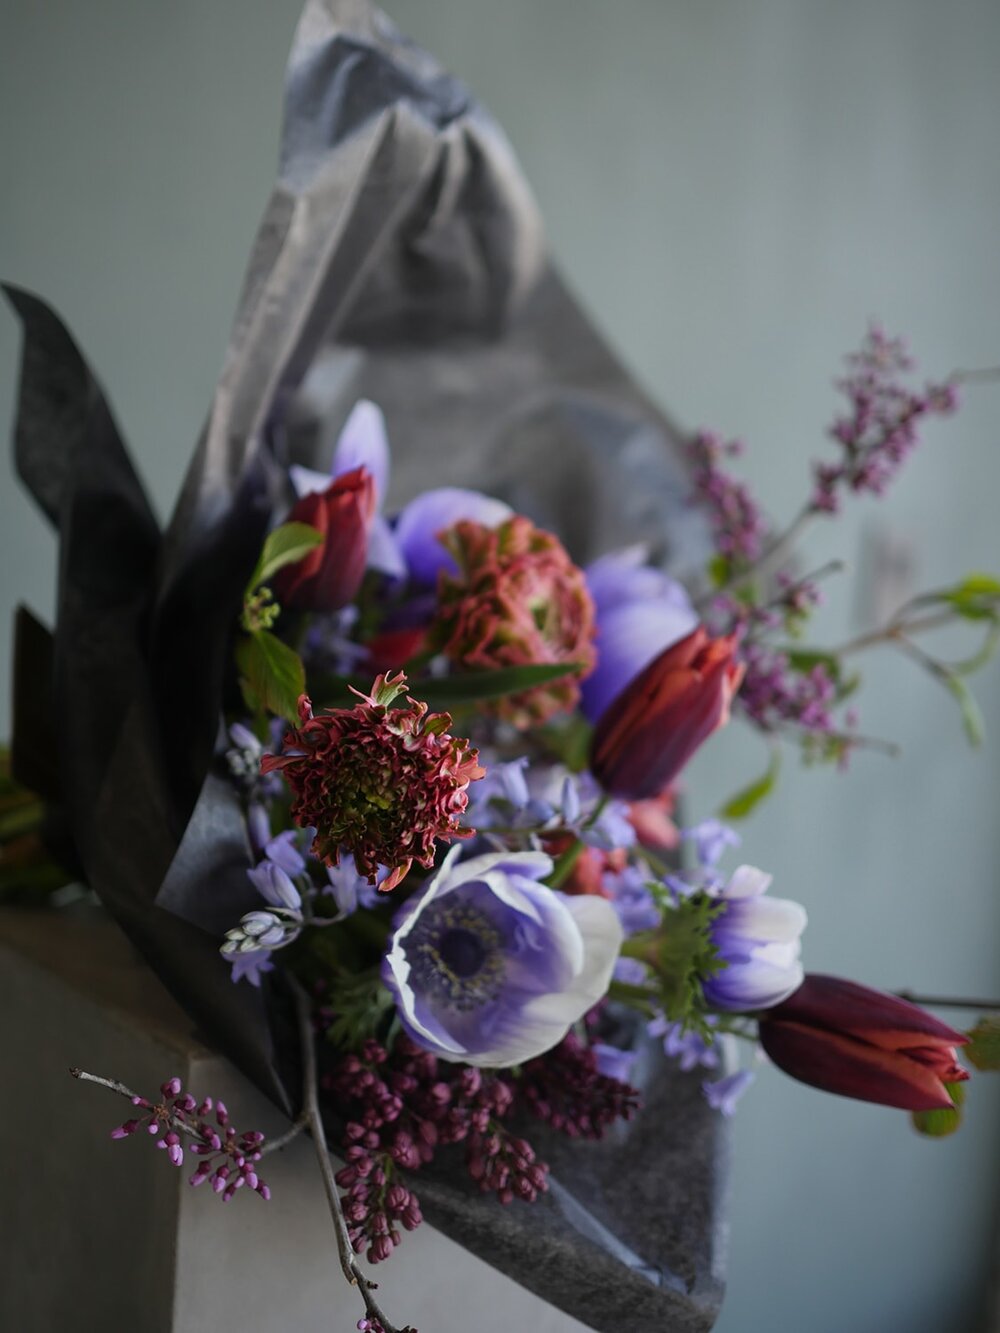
pixel 516 599
pixel 848 1039
pixel 650 731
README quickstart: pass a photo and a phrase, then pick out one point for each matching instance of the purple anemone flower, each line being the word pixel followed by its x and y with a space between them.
pixel 758 937
pixel 492 967
pixel 640 612
pixel 409 548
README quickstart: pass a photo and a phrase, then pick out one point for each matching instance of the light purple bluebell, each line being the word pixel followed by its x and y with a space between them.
pixel 275 885
pixel 711 838
pixel 350 890
pixel 722 1094
pixel 689 1048
pixel 490 966
pixel 271 929
pixel 251 966
pixel 284 850
pixel 502 799
pixel 631 899
pixel 631 971
pixel 614 1063
pixel 640 612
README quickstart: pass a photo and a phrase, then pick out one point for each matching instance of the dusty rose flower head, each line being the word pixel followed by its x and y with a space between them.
pixel 516 600
pixel 382 783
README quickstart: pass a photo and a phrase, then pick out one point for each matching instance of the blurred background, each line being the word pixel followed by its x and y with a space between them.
pixel 733 190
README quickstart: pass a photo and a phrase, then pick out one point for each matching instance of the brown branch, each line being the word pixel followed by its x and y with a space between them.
pixel 314 1121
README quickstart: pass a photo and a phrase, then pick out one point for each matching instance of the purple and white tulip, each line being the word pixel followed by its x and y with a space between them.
pixel 758 937
pixel 490 966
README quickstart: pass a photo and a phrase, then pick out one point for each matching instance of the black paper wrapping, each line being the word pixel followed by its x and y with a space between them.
pixel 400 258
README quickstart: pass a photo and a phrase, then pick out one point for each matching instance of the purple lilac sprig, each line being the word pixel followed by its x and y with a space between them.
pixel 566 1090
pixel 879 430
pixel 228 1159
pixel 401 1107
pixel 739 526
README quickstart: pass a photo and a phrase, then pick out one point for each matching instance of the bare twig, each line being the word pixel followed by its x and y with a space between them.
pixel 176 1122
pixel 314 1121
pixel 283 1140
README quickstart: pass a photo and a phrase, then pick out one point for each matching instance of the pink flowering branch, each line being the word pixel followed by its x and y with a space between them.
pixel 230 1160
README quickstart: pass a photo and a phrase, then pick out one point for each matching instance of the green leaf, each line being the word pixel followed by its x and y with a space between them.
pixel 976 597
pixel 719 569
pixel 740 805
pixel 284 546
pixel 273 675
pixel 456 691
pixel 804 660
pixel 939 1124
pixel 972 718
pixel 983 1049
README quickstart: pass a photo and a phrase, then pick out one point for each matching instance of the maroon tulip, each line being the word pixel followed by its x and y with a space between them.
pixel 846 1038
pixel 328 577
pixel 652 728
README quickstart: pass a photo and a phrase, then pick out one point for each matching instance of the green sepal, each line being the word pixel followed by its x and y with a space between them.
pixel 682 955
pixel 939 1124
pixel 983 1049
pixel 271 674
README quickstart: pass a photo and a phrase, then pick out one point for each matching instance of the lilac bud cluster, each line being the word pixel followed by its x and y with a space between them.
pixel 228 1159
pixel 566 1090
pixel 880 429
pixel 773 694
pixel 738 524
pixel 401 1108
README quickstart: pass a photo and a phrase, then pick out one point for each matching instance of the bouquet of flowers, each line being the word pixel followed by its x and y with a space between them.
pixel 380 767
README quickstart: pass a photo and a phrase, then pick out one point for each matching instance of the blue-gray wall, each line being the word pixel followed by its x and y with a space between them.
pixel 734 189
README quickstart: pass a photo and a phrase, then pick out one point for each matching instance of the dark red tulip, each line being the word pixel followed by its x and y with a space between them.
pixel 329 576
pixel 846 1038
pixel 648 733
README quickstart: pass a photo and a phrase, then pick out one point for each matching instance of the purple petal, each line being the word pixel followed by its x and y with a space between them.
pixel 284 853
pixel 613 1063
pixel 383 550
pixel 723 1094
pixel 629 637
pixel 252 966
pixel 420 522
pixel 624 576
pixel 364 443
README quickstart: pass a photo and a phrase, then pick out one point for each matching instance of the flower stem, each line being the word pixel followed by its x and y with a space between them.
pixel 949 1001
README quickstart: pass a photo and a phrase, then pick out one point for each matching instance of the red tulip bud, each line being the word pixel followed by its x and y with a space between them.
pixel 329 576
pixel 845 1038
pixel 648 733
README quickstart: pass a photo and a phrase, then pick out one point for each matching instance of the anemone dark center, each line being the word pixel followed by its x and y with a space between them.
pixel 456 955
pixel 462 950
